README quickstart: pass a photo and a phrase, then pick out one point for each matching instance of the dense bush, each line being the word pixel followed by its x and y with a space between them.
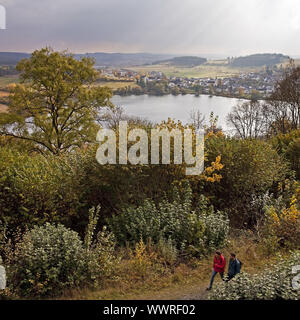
pixel 167 251
pixel 289 146
pixel 49 259
pixel 251 168
pixel 281 226
pixel 36 189
pixel 273 283
pixel 196 231
pixel 117 186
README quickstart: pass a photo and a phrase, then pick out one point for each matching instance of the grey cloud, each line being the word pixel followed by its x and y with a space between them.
pixel 226 27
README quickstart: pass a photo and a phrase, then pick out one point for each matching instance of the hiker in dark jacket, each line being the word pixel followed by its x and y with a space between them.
pixel 234 267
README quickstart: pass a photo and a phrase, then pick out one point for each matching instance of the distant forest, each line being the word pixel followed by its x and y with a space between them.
pixel 101 58
pixel 136 59
pixel 258 60
pixel 12 58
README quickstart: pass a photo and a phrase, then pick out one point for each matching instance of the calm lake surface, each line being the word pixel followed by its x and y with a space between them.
pixel 157 108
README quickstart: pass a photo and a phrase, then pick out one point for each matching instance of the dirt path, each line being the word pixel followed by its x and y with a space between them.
pixel 3 108
pixel 199 294
pixel 180 292
pixel 185 293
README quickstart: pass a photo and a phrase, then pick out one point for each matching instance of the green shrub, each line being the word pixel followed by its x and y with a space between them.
pixel 251 168
pixel 289 146
pixel 143 263
pixel 6 294
pixel 35 189
pixel 273 283
pixel 281 226
pixel 167 251
pixel 216 226
pixel 48 259
pixel 117 186
pixel 195 231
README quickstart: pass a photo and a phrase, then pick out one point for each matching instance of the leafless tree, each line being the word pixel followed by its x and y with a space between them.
pixel 112 117
pixel 249 119
pixel 284 103
pixel 196 119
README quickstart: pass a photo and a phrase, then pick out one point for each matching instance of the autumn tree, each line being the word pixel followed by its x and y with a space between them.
pixel 284 102
pixel 55 105
pixel 212 126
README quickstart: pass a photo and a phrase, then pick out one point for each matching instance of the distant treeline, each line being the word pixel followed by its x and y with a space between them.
pixel 152 88
pixel 258 60
pixel 161 88
pixel 135 59
pixel 12 58
pixel 101 58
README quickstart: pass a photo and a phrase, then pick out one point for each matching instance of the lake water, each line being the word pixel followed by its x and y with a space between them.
pixel 157 108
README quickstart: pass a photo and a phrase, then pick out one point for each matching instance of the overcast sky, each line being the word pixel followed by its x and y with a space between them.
pixel 198 27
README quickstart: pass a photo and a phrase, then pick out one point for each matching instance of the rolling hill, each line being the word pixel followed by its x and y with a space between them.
pixel 12 58
pixel 101 58
pixel 258 60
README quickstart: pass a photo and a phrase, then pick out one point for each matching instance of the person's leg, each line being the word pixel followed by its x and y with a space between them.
pixel 229 277
pixel 222 275
pixel 212 279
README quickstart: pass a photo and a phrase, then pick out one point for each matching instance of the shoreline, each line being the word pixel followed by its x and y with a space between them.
pixel 189 93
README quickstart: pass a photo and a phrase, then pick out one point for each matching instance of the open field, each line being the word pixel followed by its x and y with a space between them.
pixel 3 94
pixel 113 85
pixel 211 69
pixel 297 62
pixel 6 80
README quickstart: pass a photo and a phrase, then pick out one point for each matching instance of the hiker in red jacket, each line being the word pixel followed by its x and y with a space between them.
pixel 218 267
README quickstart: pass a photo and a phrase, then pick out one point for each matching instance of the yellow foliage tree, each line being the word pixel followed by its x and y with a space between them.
pixel 283 228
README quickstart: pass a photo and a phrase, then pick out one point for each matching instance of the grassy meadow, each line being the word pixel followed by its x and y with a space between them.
pixel 6 80
pixel 211 69
pixel 3 96
pixel 113 85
